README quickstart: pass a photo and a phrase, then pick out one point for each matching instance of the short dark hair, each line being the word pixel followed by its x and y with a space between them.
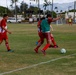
pixel 5 15
pixel 48 15
pixel 42 18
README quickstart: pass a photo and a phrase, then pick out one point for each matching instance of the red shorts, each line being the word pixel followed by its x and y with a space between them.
pixel 3 36
pixel 70 22
pixel 47 36
pixel 41 36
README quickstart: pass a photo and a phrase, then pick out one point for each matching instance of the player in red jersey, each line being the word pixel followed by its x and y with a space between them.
pixel 4 31
pixel 41 40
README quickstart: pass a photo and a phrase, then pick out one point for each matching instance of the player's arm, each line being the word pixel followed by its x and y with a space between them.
pixel 51 27
pixel 6 29
pixel 55 19
pixel 38 25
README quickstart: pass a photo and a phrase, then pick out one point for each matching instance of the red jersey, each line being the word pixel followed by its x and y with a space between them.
pixel 39 26
pixel 50 20
pixel 3 23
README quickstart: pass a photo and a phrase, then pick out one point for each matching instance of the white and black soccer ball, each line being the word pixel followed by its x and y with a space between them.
pixel 63 51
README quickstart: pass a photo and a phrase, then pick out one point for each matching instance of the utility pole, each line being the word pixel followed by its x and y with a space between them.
pixel 15 10
pixel 68 11
pixel 23 10
pixel 7 7
pixel 39 8
pixel 52 8
pixel 74 10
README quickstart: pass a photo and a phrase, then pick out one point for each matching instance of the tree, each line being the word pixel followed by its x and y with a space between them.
pixel 56 8
pixel 3 10
pixel 34 9
pixel 18 9
pixel 13 1
pixel 45 5
pixel 23 8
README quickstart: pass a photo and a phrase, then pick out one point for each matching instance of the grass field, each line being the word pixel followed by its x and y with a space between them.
pixel 22 41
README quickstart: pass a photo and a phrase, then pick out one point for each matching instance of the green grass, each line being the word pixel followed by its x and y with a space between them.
pixel 22 41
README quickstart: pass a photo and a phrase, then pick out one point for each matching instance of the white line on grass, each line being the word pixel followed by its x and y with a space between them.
pixel 35 65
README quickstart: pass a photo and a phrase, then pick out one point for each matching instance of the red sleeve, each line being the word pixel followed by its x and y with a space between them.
pixel 50 20
pixel 38 25
pixel 2 23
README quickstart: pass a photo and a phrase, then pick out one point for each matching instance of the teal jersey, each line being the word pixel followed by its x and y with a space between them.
pixel 45 26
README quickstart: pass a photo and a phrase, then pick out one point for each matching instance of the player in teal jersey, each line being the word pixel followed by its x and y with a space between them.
pixel 45 29
pixel 45 26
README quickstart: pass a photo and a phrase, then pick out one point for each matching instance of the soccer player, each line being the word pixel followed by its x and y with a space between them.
pixel 70 21
pixel 45 26
pixel 52 39
pixel 41 40
pixel 4 31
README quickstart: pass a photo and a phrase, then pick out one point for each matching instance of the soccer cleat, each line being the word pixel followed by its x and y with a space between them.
pixel 36 50
pixel 55 46
pixel 10 50
pixel 43 51
pixel 51 46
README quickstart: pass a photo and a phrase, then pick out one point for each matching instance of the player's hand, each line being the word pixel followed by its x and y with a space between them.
pixel 9 32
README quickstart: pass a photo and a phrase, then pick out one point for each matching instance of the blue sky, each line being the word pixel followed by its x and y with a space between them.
pixel 3 2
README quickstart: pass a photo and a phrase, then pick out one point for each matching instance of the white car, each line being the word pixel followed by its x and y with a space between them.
pixel 13 20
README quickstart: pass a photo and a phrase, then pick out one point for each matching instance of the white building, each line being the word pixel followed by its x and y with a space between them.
pixel 68 14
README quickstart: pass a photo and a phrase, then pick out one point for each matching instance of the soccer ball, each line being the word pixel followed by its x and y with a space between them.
pixel 63 51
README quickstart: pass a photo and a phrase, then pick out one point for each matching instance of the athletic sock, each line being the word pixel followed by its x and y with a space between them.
pixel 39 44
pixel 7 46
pixel 53 41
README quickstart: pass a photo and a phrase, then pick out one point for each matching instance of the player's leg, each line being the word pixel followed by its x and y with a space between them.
pixel 1 39
pixel 53 41
pixel 7 43
pixel 40 35
pixel 39 43
pixel 71 23
pixel 49 42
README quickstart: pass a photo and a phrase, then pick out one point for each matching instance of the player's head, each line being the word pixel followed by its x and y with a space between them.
pixel 42 18
pixel 5 16
pixel 48 16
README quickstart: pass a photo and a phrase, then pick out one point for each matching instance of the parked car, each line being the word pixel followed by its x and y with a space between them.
pixel 13 20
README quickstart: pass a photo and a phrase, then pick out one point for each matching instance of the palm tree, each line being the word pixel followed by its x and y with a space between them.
pixel 45 5
pixel 56 9
pixel 13 1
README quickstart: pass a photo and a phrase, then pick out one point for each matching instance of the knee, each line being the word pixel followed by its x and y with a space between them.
pixel 0 42
pixel 49 41
pixel 6 42
pixel 42 42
